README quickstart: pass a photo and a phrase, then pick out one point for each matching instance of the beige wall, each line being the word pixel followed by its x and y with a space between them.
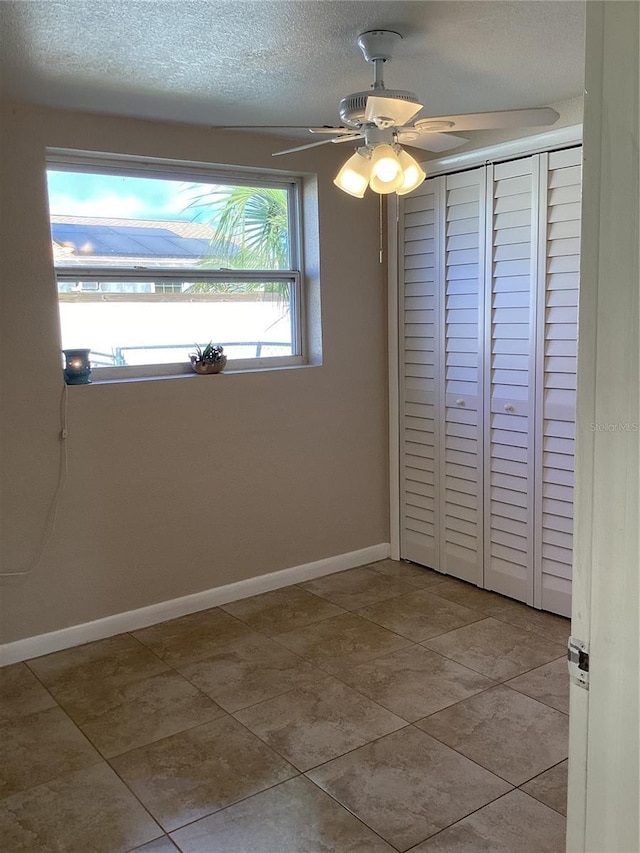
pixel 297 459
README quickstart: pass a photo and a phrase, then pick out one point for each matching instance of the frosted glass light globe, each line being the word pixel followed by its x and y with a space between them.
pixel 386 171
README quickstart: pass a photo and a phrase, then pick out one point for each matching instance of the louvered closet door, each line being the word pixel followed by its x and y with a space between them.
pixel 556 398
pixel 461 401
pixel 509 415
pixel 419 365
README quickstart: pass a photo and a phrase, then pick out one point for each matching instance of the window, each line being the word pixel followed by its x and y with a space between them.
pixel 153 260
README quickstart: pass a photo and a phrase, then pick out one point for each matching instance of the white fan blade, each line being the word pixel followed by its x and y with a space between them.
pixel 431 141
pixel 338 130
pixel 399 112
pixel 259 127
pixel 489 121
pixel 354 135
pixel 351 138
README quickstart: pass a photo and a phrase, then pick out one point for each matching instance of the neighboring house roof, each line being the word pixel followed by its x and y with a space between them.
pixel 114 242
pixel 179 226
pixel 128 242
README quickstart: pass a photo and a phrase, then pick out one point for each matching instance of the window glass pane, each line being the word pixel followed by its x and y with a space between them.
pixel 126 325
pixel 112 221
pixel 161 233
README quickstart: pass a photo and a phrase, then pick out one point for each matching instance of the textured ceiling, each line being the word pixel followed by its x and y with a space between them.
pixel 284 63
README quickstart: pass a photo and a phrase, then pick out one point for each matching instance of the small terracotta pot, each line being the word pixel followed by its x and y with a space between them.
pixel 205 367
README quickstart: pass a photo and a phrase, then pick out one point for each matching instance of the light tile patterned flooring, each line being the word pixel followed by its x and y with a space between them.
pixel 380 709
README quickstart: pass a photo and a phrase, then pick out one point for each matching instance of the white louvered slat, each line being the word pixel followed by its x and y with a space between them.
pixel 509 414
pixel 556 378
pixel 565 212
pixel 569 228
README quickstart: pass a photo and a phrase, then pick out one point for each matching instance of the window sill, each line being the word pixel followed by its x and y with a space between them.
pixel 191 375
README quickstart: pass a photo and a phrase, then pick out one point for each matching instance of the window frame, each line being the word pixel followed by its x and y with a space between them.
pixel 128 166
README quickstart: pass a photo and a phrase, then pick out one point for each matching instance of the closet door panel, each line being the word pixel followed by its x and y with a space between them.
pixel 510 376
pixel 556 377
pixel 420 363
pixel 461 401
pixel 488 306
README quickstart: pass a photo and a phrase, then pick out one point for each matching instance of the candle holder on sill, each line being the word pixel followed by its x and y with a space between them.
pixel 77 367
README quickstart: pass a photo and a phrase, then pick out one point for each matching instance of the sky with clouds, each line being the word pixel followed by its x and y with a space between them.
pixel 83 194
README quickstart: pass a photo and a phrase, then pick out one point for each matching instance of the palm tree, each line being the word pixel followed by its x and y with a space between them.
pixel 252 232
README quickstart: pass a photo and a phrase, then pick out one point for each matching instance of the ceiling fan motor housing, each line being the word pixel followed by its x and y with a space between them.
pixel 352 108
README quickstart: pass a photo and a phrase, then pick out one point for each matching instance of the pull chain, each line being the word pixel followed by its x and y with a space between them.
pixel 381 233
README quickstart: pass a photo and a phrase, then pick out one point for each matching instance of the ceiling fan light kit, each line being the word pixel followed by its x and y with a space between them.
pixel 384 168
pixel 382 118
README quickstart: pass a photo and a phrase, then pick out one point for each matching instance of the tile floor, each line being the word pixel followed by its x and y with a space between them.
pixel 381 709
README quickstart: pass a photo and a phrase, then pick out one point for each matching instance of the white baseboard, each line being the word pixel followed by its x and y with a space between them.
pixel 132 620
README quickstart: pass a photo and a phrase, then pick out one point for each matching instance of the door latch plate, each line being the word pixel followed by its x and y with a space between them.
pixel 578 655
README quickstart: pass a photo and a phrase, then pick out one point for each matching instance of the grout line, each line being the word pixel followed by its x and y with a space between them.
pixel 352 813
pixel 144 645
pixel 101 761
pixel 278 695
pixel 455 749
pixel 539 666
pixel 462 819
pixel 405 640
pixel 396 713
pixel 468 665
pixel 168 832
pixel 347 752
pixel 536 699
pixel 358 607
pixel 486 690
pixel 151 743
pixel 452 705
pixel 356 748
pixel 321 598
pixel 472 760
pixel 40 681
pixel 432 637
pixel 201 817
pixel 533 796
pixel 299 775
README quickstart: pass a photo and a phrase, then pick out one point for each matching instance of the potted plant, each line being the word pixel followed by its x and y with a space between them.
pixel 209 359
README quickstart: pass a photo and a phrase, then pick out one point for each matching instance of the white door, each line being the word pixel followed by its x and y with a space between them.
pixel 441 375
pixel 420 358
pixel 510 304
pixel 557 341
pixel 604 749
pixel 460 408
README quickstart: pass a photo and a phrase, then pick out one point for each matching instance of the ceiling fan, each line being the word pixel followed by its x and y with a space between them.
pixel 384 118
